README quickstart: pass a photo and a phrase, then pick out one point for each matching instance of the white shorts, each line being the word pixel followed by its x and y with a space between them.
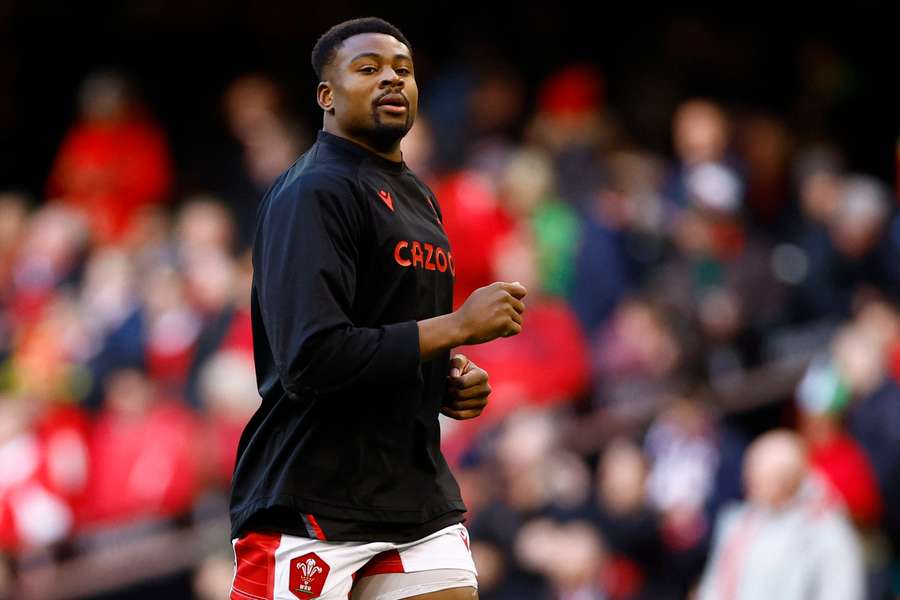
pixel 272 566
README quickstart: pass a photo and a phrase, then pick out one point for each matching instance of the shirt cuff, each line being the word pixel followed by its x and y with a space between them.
pixel 399 351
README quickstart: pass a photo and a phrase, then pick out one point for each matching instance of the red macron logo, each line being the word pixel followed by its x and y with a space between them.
pixel 386 196
pixel 422 255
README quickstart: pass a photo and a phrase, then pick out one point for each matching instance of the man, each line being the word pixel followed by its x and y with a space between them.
pixel 340 489
pixel 789 540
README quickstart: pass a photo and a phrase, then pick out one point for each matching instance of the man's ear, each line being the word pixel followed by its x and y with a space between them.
pixel 325 96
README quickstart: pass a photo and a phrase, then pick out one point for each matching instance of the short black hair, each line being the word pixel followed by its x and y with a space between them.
pixel 326 47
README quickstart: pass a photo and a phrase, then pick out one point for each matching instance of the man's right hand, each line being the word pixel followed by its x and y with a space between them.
pixel 492 311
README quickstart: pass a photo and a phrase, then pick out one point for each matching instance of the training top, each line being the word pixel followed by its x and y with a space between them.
pixel 349 253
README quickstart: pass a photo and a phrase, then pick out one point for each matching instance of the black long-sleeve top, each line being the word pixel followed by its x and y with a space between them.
pixel 349 253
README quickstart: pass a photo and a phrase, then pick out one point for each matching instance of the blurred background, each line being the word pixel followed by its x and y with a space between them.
pixel 705 400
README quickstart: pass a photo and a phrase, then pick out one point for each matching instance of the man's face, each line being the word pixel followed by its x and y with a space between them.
pixel 373 93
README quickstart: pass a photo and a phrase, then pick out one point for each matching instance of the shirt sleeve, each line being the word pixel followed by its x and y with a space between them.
pixel 309 243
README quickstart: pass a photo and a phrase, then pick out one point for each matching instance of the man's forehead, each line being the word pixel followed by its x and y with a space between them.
pixel 372 43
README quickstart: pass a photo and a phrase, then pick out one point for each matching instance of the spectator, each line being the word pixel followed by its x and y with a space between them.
pixel 43 471
pixel 720 277
pixel 228 389
pixel 873 418
pixel 521 448
pixel 701 134
pixel 846 246
pixel 822 397
pixel 631 529
pixel 789 539
pixel 49 256
pixel 634 361
pixel 624 237
pixel 145 455
pixel 527 190
pixel 763 143
pixel 113 162
pixel 694 462
pixel 571 123
pixel 269 139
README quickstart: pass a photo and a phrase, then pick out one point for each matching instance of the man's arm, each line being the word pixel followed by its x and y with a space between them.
pixel 488 313
pixel 439 334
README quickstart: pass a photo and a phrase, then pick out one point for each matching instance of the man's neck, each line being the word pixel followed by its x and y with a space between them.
pixel 394 154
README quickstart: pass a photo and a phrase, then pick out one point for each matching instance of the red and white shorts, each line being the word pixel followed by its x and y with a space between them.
pixel 272 566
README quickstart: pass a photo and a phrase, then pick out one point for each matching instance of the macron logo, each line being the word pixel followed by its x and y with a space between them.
pixel 386 196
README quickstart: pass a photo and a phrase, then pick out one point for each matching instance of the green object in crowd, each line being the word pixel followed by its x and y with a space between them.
pixel 557 234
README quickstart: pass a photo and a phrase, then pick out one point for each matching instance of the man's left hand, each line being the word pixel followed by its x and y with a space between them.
pixel 467 389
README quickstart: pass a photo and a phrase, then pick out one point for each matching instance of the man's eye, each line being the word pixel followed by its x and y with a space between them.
pixel 403 71
pixel 369 69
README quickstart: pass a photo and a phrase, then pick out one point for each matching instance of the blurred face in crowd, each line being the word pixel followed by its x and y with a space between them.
pixel 15 417
pixel 54 237
pixel 496 101
pixel 700 132
pixel 693 233
pixel 228 386
pixel 570 555
pixel 210 278
pixel 764 146
pixel 516 260
pixel 370 93
pixel 860 218
pixel 204 225
pixel 163 292
pixel 820 195
pixel 621 477
pixel 522 452
pixel 720 313
pixel 269 149
pixel 129 393
pixel 250 101
pixel 630 199
pixel 648 337
pixel 879 320
pixel 526 181
pixel 418 146
pixel 104 98
pixel 13 219
pixel 774 469
pixel 859 358
pixel 108 284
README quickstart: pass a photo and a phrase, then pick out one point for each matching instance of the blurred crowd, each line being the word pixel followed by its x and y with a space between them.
pixel 704 401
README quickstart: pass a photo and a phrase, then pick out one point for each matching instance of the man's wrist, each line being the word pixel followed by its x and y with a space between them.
pixel 439 334
pixel 458 335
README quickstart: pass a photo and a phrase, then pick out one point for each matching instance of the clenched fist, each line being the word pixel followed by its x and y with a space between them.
pixel 467 389
pixel 492 311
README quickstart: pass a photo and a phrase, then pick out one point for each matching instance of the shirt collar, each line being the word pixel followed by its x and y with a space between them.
pixel 355 149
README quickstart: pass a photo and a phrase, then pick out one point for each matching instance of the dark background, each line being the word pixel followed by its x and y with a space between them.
pixel 183 54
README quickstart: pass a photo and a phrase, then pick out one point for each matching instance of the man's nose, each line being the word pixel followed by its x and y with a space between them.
pixel 391 77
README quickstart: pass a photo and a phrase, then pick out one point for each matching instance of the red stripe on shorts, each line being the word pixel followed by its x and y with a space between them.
pixel 315 527
pixel 254 577
pixel 386 562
